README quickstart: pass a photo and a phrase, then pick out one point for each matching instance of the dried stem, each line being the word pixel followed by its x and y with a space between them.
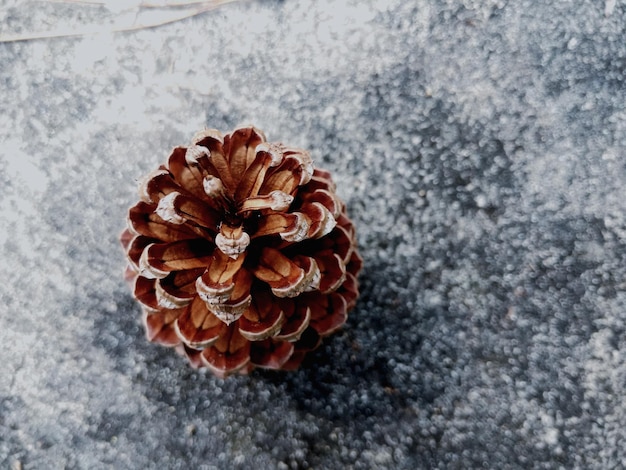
pixel 162 4
pixel 177 15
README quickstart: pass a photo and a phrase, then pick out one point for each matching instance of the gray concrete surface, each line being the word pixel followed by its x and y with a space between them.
pixel 480 147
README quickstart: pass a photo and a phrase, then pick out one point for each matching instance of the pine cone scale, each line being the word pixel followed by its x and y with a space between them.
pixel 241 148
pixel 297 322
pixel 333 272
pixel 324 323
pixel 187 176
pixel 254 176
pixel 143 220
pixel 230 353
pixel 284 276
pixel 145 293
pixel 285 178
pixel 271 354
pixel 155 185
pixel 275 224
pixel 197 327
pixel 158 327
pixel 263 328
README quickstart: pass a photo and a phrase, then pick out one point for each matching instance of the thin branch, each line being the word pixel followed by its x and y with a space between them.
pixel 162 4
pixel 81 2
pixel 95 29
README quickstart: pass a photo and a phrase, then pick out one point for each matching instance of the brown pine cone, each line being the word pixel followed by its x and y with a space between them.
pixel 241 255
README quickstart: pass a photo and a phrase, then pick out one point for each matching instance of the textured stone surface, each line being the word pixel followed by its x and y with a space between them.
pixel 480 148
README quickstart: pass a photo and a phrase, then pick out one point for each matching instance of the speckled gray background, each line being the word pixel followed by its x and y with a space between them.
pixel 480 146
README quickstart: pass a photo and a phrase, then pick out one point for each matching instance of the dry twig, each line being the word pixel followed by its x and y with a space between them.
pixel 176 15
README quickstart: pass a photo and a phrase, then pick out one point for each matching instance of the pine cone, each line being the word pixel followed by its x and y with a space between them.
pixel 240 253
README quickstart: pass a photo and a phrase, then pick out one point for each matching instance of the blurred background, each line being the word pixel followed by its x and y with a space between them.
pixel 479 146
